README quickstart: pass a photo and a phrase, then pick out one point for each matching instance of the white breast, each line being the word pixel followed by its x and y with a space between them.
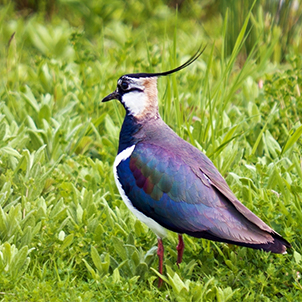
pixel 152 224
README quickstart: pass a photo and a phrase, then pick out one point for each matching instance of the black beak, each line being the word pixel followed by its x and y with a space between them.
pixel 112 96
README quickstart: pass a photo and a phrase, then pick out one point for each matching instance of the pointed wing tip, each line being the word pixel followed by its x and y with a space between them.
pixel 279 245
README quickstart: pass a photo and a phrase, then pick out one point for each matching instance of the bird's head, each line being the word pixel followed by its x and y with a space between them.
pixel 138 94
pixel 138 91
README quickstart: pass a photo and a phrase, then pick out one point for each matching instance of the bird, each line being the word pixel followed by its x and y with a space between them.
pixel 169 184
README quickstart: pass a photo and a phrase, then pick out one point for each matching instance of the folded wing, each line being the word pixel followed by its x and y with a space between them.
pixel 191 199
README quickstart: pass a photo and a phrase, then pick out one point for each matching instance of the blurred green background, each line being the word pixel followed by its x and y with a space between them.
pixel 65 234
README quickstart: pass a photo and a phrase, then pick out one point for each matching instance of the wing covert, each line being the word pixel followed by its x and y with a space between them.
pixel 164 188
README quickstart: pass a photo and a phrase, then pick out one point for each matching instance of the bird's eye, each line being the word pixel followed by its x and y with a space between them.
pixel 124 85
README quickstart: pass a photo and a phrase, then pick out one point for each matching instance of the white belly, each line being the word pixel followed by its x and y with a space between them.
pixel 152 224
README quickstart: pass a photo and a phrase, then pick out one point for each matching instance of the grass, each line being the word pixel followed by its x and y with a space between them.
pixel 65 233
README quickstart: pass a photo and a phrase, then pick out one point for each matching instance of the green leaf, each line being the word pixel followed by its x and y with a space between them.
pixel 36 140
pixel 272 112
pixel 27 236
pixel 2 132
pixel 79 214
pixel 91 270
pixel 102 266
pixel 119 247
pixel 116 278
pixel 10 151
pixel 30 99
pixel 177 283
pixel 272 145
pixel 58 209
pixel 141 269
pixel 292 139
pixel 18 261
pixel 160 275
pixel 67 241
pixel 3 228
pixel 297 257
pixel 297 165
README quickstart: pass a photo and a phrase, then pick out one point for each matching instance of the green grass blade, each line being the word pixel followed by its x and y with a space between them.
pixel 292 140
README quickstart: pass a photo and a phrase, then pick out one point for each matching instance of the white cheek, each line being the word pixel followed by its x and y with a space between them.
pixel 135 102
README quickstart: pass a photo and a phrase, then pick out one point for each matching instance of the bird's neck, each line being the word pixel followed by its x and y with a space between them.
pixel 130 127
pixel 136 129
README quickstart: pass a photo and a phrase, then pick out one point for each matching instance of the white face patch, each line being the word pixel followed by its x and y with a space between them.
pixel 135 102
pixel 152 224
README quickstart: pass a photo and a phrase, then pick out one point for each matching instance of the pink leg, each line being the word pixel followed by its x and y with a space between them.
pixel 160 253
pixel 180 249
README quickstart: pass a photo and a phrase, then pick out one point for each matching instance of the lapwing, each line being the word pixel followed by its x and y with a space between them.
pixel 169 184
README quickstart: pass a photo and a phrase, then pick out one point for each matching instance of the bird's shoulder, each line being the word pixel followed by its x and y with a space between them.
pixel 160 143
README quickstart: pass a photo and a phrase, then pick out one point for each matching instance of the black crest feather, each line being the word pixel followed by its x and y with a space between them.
pixel 165 73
